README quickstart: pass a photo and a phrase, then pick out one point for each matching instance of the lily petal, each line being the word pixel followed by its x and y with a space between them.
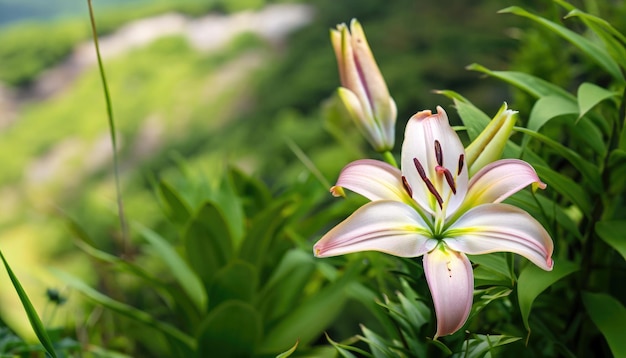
pixel 386 226
pixel 374 180
pixel 451 283
pixel 501 227
pixel 422 130
pixel 499 180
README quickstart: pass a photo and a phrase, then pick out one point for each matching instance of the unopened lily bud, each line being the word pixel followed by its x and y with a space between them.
pixel 489 144
pixel 364 91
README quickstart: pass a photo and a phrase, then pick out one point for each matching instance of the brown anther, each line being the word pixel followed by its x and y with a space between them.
pixel 407 187
pixel 438 153
pixel 420 169
pixel 460 167
pixel 450 180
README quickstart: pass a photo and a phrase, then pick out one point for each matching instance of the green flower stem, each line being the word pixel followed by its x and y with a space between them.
pixel 109 108
pixel 389 158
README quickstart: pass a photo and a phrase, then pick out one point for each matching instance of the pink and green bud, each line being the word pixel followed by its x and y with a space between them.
pixel 363 89
pixel 489 144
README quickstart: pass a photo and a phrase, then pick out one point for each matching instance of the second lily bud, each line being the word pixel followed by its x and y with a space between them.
pixel 364 91
pixel 489 144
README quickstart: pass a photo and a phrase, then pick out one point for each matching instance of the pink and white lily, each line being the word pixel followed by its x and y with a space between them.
pixel 430 207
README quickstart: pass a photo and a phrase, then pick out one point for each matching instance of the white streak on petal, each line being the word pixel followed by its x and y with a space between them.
pixel 451 283
pixel 419 142
pixel 386 226
pixel 501 227
pixel 374 180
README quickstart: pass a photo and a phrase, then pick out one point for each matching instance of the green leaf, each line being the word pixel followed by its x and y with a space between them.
pixel 286 284
pixel 609 315
pixel 547 108
pixel 482 345
pixel 288 352
pixel 174 206
pixel 589 171
pixel 492 269
pixel 612 232
pixel 124 309
pixel 345 350
pixel 31 313
pixel 310 317
pixel 233 329
pixel 208 243
pixel 259 245
pixel 596 53
pixel 589 95
pixel 533 280
pixel 379 346
pixel 185 276
pixel 237 280
pixel 530 84
pixel 473 118
pixel 566 187
pixel 129 267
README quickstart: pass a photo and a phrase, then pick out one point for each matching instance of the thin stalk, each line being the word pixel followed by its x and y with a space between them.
pixel 389 158
pixel 109 108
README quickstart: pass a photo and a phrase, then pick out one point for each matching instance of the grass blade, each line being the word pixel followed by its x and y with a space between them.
pixel 33 317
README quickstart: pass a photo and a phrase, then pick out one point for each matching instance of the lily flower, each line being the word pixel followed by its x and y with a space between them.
pixel 364 92
pixel 432 208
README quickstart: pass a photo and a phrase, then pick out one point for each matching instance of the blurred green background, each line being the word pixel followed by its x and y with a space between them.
pixel 178 97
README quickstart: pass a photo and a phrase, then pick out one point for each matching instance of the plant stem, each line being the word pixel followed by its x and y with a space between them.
pixel 109 107
pixel 389 158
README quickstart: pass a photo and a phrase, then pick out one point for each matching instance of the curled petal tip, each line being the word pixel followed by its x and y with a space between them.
pixel 538 185
pixel 337 191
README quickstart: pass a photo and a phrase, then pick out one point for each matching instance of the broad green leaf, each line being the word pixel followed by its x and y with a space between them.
pixel 481 345
pixel 235 281
pixel 550 107
pixel 530 84
pixel 617 172
pixel 609 315
pixel 533 280
pixel 31 313
pixel 232 208
pixel 614 234
pixel 260 242
pixel 185 276
pixel 492 269
pixel 598 54
pixel 589 171
pixel 207 242
pixel 286 284
pixel 566 187
pixel 473 118
pixel 589 95
pixel 306 321
pixel 174 206
pixel 254 194
pixel 612 38
pixel 289 352
pixel 124 309
pixel 232 329
pixel 547 108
